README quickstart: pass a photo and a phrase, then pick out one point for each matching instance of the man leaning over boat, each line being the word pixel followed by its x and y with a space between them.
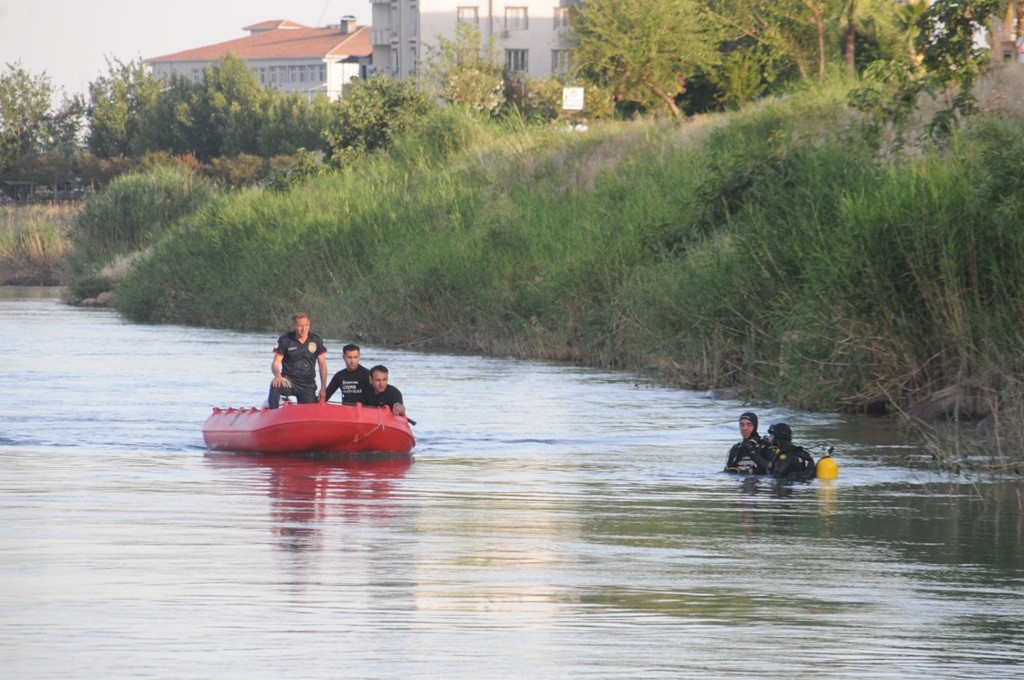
pixel 380 393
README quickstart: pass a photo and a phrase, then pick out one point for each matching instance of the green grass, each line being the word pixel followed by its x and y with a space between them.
pixel 33 242
pixel 117 225
pixel 774 250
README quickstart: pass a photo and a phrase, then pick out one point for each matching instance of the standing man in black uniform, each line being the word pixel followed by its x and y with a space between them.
pixel 353 380
pixel 296 355
pixel 382 394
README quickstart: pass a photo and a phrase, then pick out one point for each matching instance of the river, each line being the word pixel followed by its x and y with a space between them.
pixel 554 522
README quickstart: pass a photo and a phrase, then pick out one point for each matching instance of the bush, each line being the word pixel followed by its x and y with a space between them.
pixel 133 213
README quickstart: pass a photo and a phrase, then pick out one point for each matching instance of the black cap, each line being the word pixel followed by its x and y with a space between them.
pixel 751 416
pixel 781 431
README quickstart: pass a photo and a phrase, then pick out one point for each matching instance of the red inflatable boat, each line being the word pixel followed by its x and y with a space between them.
pixel 308 428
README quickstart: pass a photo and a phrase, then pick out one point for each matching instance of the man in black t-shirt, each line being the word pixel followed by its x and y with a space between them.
pixel 382 394
pixel 353 380
pixel 296 357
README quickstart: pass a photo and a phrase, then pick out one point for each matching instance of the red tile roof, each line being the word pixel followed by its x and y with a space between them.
pixel 287 41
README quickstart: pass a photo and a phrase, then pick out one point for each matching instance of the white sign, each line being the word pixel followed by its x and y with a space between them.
pixel 572 98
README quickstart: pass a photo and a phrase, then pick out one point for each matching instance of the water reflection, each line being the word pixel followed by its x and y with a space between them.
pixel 306 492
pixel 565 522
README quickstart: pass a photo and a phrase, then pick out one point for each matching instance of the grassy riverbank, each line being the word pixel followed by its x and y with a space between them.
pixel 775 251
pixel 33 242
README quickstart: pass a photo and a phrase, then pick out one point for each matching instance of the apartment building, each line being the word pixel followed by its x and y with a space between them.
pixel 285 55
pixel 532 34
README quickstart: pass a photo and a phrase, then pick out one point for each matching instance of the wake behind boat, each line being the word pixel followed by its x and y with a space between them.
pixel 308 428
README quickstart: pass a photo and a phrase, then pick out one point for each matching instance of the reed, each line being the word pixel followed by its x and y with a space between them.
pixel 33 242
pixel 773 251
pixel 119 224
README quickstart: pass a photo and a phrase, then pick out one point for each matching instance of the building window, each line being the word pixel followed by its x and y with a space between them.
pixel 559 62
pixel 467 15
pixel 561 18
pixel 515 19
pixel 515 61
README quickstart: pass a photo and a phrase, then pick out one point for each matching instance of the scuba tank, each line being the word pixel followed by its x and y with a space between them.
pixel 827 467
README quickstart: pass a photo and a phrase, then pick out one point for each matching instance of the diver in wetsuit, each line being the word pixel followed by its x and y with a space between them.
pixel 747 457
pixel 788 461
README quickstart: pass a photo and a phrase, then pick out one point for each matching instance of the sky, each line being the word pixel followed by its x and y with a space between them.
pixel 71 39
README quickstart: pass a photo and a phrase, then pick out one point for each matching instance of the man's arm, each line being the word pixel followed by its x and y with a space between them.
pixel 333 386
pixel 275 368
pixel 322 360
pixel 397 407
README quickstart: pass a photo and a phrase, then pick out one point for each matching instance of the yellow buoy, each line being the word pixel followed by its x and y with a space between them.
pixel 827 468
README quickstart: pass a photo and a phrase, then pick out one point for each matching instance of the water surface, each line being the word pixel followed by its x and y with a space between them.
pixel 554 522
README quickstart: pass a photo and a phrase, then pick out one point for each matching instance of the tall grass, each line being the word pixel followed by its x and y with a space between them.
pixel 118 224
pixel 33 242
pixel 774 251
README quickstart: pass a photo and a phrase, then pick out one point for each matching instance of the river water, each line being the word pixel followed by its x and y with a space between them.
pixel 554 522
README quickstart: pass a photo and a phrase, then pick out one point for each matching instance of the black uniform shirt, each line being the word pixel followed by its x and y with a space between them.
pixel 300 360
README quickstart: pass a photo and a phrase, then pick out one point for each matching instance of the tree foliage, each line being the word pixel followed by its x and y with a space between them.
pixel 24 104
pixel 949 49
pixel 292 122
pixel 228 113
pixel 374 113
pixel 467 71
pixel 803 32
pixel 119 101
pixel 644 51
pixel 237 106
pixel 951 59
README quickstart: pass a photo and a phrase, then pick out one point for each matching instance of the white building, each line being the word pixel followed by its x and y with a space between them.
pixel 284 55
pixel 533 34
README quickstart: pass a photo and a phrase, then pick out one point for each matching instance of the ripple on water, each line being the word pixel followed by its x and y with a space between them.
pixel 553 522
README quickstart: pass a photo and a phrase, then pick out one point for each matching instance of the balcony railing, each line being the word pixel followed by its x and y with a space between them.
pixel 381 36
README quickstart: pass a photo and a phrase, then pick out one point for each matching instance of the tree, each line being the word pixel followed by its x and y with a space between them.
pixel 644 49
pixel 467 71
pixel 950 60
pixel 908 18
pixel 804 31
pixel 236 104
pixel 178 122
pixel 949 51
pixel 294 123
pixel 24 104
pixel 874 19
pixel 119 102
pixel 372 115
pixel 62 144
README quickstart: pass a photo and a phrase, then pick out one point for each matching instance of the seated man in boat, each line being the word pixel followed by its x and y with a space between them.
pixel 748 456
pixel 788 461
pixel 297 354
pixel 353 380
pixel 381 393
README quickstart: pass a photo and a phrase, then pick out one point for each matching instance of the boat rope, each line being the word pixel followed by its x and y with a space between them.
pixel 379 426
